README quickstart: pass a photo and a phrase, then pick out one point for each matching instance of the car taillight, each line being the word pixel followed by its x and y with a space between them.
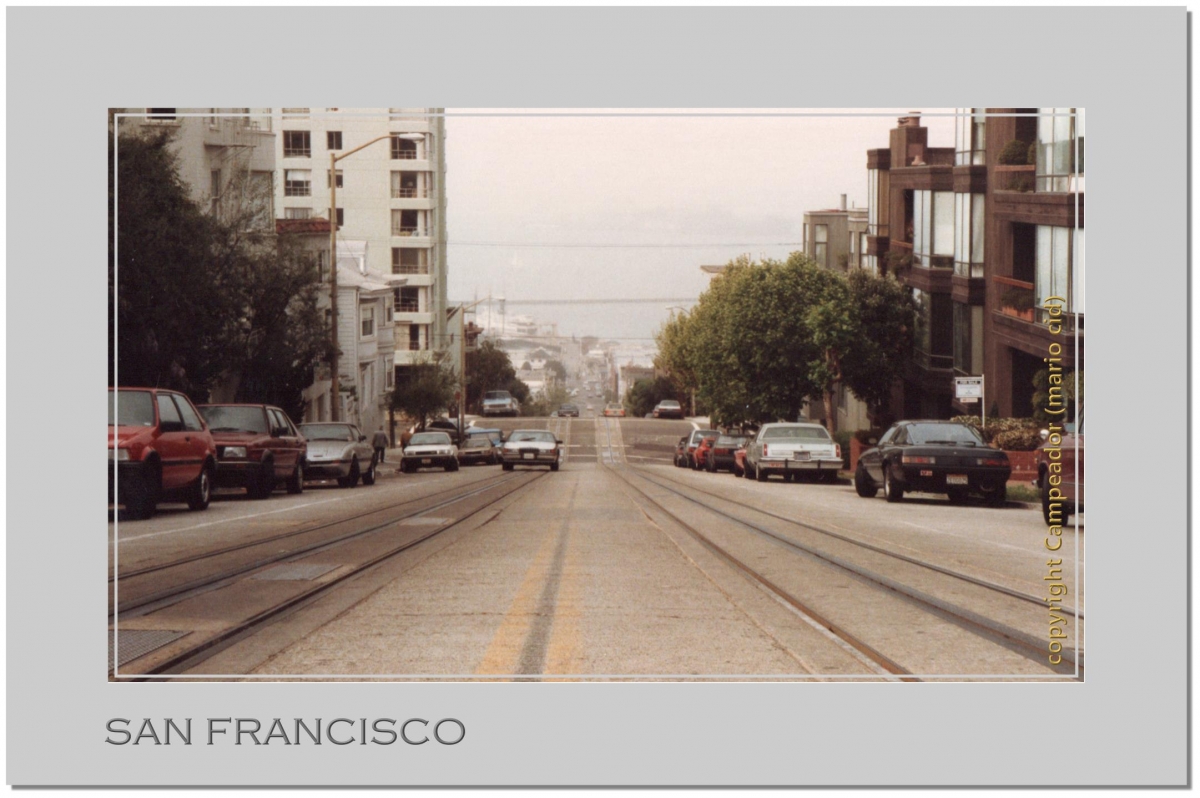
pixel 915 459
pixel 837 450
pixel 993 461
pixel 764 450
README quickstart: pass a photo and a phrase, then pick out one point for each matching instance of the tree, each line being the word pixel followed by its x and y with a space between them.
pixel 885 321
pixel 559 369
pixel 643 395
pixel 426 392
pixel 490 369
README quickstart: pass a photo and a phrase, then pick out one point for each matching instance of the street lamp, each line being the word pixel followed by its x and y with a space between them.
pixel 335 409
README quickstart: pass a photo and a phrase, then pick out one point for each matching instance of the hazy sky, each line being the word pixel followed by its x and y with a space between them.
pixel 694 190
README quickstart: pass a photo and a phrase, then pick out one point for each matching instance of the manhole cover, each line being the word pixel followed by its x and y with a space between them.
pixel 296 571
pixel 134 643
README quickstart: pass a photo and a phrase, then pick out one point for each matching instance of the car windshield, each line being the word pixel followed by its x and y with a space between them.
pixel 235 419
pixel 567 407
pixel 944 434
pixel 477 442
pixel 700 433
pixel 497 395
pixel 429 439
pixel 671 403
pixel 805 433
pixel 730 440
pixel 526 435
pixel 327 432
pixel 132 409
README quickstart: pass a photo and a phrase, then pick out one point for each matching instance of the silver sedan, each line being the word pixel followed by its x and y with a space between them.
pixel 531 447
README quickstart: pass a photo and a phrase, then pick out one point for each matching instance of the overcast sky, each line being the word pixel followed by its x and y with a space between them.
pixel 733 184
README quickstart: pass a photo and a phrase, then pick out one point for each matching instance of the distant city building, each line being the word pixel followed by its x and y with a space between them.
pixel 836 238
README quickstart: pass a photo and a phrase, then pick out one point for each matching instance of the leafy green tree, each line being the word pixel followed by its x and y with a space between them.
pixel 489 369
pixel 559 369
pixel 426 392
pixel 643 395
pixel 1041 395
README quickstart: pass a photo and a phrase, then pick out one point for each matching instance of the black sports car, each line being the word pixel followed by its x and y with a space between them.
pixel 933 457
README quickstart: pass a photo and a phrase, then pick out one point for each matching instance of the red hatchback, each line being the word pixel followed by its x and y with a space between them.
pixel 258 447
pixel 159 449
pixel 704 451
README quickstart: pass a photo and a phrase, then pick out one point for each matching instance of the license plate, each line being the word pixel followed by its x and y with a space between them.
pixel 426 461
pixel 928 473
pixel 802 456
pixel 956 479
pixel 527 456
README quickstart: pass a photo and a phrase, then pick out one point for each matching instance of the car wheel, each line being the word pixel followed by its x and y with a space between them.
pixel 1064 512
pixel 369 477
pixel 295 483
pixel 863 484
pixel 998 495
pixel 760 474
pixel 143 495
pixel 507 466
pixel 352 480
pixel 264 483
pixel 554 466
pixel 891 491
pixel 200 493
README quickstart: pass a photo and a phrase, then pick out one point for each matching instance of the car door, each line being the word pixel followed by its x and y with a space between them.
pixel 173 444
pixel 283 442
pixel 873 459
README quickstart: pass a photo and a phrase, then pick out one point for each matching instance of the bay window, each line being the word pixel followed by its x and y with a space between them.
pixel 1060 149
pixel 1058 248
pixel 969 142
pixel 933 228
pixel 969 225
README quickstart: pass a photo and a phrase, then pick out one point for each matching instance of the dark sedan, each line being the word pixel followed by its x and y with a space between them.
pixel 568 411
pixel 933 457
pixel 724 449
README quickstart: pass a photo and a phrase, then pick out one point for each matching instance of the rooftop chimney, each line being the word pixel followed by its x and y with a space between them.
pixel 843 202
pixel 912 120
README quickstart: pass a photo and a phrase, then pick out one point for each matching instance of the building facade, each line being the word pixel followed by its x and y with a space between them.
pixel 836 237
pixel 390 194
pixel 985 233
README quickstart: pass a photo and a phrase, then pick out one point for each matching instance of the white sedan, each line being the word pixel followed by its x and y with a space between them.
pixel 531 447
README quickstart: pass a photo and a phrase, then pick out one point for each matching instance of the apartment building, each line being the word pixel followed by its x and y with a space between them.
pixel 836 237
pixel 390 194
pixel 983 232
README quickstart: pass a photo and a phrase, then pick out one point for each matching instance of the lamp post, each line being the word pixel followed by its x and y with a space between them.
pixel 336 404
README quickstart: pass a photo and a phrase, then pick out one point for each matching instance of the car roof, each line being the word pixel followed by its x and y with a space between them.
pixel 793 424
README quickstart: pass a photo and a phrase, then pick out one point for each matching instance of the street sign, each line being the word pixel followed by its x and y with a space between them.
pixel 968 388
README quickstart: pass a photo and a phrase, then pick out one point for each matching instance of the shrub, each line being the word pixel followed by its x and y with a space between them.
pixel 864 436
pixel 1002 426
pixel 1015 153
pixel 1018 440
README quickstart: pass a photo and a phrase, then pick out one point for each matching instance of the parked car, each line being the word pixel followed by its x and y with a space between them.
pixel 792 449
pixel 933 457
pixel 703 448
pixel 693 441
pixel 680 458
pixel 478 448
pixel 337 450
pixel 614 409
pixel 495 435
pixel 433 449
pixel 722 455
pixel 531 447
pixel 500 403
pixel 447 425
pixel 739 460
pixel 159 449
pixel 1068 452
pixel 668 408
pixel 258 447
pixel 568 410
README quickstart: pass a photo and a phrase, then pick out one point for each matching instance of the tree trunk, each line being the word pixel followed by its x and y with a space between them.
pixel 830 413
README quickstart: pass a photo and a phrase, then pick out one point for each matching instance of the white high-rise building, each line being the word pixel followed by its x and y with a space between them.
pixel 390 194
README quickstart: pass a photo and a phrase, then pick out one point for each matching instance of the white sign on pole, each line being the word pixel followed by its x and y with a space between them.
pixel 968 389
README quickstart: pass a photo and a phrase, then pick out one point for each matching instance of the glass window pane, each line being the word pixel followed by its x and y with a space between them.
pixel 978 225
pixel 1044 263
pixel 943 223
pixel 1078 272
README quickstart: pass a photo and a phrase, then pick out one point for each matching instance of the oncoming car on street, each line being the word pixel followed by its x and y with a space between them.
pixel 430 450
pixel 532 447
pixel 500 403
pixel 338 451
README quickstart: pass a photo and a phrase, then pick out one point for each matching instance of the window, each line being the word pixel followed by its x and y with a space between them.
pixel 406 260
pixel 1059 149
pixel 166 410
pixel 191 421
pixel 333 139
pixel 389 312
pixel 405 223
pixel 821 243
pixel 297 183
pixel 214 189
pixel 367 314
pixel 389 373
pixel 969 225
pixel 404 185
pixel 403 149
pixel 297 213
pixel 933 229
pixel 297 144
pixel 1057 247
pixel 414 337
pixel 968 338
pixel 934 330
pixel 338 174
pixel 341 218
pixel 408 300
pixel 161 114
pixel 323 266
pixel 969 142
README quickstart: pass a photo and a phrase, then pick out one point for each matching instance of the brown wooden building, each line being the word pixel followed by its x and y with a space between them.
pixel 983 241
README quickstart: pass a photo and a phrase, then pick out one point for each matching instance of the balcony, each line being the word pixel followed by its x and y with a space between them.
pixel 410 193
pixel 405 231
pixel 410 268
pixel 1017 298
pixel 1019 178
